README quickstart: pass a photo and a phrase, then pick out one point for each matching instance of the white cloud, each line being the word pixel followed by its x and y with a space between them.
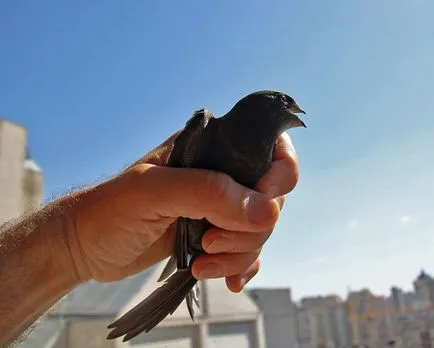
pixel 405 218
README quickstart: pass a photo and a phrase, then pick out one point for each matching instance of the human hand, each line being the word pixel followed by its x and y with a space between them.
pixel 126 224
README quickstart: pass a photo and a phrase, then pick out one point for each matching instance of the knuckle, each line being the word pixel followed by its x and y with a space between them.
pixel 280 179
pixel 273 217
pixel 293 174
pixel 137 171
pixel 132 176
pixel 285 175
pixel 143 182
pixel 215 186
pixel 255 243
pixel 251 264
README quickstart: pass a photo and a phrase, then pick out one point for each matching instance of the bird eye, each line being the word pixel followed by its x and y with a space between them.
pixel 281 99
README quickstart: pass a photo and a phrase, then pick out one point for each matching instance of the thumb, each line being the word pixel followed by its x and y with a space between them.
pixel 198 193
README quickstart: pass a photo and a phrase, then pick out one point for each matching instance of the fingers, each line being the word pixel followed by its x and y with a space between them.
pixel 282 177
pixel 284 148
pixel 221 241
pixel 244 218
pixel 210 266
pixel 231 254
pixel 226 247
pixel 237 282
pixel 198 194
pixel 217 240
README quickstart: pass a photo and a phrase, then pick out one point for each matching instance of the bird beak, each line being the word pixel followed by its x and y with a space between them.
pixel 298 123
pixel 296 109
pixel 295 121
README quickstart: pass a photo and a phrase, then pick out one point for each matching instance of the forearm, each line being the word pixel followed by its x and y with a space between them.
pixel 36 268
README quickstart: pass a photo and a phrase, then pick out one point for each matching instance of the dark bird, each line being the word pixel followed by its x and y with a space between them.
pixel 240 144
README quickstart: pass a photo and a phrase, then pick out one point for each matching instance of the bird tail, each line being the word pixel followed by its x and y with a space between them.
pixel 153 309
pixel 168 269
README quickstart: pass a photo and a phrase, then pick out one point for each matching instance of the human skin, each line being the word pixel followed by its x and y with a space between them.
pixel 126 224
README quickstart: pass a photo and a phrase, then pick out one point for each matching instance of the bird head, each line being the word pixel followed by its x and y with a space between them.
pixel 277 108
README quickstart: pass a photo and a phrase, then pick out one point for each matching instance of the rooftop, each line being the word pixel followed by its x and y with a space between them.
pixel 423 275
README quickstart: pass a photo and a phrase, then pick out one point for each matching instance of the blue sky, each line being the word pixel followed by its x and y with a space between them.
pixel 99 83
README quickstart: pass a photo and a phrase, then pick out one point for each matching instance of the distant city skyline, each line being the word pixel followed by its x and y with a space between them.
pixel 349 290
pixel 363 319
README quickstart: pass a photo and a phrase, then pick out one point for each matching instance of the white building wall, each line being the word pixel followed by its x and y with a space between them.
pixel 12 155
pixel 173 337
pixel 21 180
pixel 32 186
pixel 304 334
pixel 242 335
pixel 202 335
pixel 340 327
pixel 279 317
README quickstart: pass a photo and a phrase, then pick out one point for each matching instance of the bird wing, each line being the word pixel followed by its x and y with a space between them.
pixel 183 154
pixel 186 143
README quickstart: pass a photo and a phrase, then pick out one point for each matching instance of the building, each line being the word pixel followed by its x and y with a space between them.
pixel 279 316
pixel 21 179
pixel 370 319
pixel 424 289
pixel 80 320
pixel 398 299
pixel 320 322
pixel 304 328
pixel 339 324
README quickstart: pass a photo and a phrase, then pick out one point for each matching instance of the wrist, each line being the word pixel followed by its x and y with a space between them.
pixel 34 255
pixel 67 246
pixel 52 239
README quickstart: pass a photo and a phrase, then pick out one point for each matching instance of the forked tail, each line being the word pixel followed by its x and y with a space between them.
pixel 153 309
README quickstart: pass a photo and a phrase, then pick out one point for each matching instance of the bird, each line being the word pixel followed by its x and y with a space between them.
pixel 240 144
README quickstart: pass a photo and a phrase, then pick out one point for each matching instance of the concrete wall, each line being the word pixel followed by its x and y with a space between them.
pixel 176 337
pixel 92 334
pixel 239 335
pixel 32 186
pixel 278 315
pixel 85 334
pixel 203 335
pixel 21 180
pixel 12 154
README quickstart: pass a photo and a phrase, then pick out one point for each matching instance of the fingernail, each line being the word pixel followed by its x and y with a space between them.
pixel 211 270
pixel 243 282
pixel 220 244
pixel 259 208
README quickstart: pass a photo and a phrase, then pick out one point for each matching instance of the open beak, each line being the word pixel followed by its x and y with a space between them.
pixel 295 120
pixel 296 109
